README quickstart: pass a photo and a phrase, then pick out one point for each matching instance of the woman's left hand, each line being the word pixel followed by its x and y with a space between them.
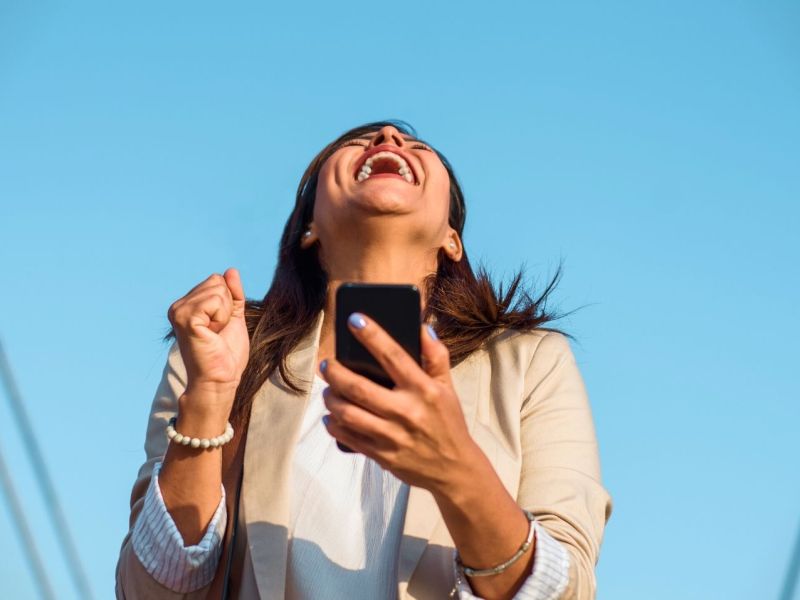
pixel 415 430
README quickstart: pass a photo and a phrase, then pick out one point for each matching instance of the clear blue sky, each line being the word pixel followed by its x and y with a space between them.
pixel 651 145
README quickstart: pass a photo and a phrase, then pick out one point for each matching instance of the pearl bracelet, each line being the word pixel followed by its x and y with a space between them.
pixel 502 566
pixel 204 443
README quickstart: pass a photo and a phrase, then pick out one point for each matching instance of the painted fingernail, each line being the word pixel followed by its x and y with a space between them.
pixel 325 419
pixel 357 320
pixel 323 366
pixel 432 333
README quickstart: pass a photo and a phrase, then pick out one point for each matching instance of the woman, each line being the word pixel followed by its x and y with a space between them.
pixel 476 476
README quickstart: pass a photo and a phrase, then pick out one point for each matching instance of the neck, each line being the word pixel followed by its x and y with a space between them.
pixel 371 263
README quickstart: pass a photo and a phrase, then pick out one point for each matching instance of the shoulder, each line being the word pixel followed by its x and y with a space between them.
pixel 529 356
pixel 536 344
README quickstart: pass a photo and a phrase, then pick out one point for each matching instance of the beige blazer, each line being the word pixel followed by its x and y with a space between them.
pixel 526 406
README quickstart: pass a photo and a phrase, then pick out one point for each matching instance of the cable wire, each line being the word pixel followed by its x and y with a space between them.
pixel 26 537
pixel 793 573
pixel 43 478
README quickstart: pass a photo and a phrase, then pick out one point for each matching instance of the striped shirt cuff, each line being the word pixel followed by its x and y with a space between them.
pixel 548 580
pixel 159 545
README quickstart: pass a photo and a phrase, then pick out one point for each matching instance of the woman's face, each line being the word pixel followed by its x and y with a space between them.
pixel 383 173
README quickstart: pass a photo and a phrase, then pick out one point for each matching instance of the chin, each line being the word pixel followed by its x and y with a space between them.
pixel 387 201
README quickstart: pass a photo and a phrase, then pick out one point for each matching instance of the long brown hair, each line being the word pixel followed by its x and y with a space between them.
pixel 467 308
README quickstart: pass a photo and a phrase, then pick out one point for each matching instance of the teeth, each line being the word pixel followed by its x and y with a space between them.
pixel 391 155
pixel 403 169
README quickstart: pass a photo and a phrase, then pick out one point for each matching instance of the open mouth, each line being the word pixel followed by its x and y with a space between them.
pixel 385 164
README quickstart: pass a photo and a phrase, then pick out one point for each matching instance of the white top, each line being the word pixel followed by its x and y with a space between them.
pixel 345 528
pixel 346 517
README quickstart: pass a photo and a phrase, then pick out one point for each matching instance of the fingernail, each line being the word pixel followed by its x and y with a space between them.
pixel 323 365
pixel 325 419
pixel 357 320
pixel 432 333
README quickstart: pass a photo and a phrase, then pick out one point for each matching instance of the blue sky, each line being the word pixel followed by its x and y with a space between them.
pixel 652 146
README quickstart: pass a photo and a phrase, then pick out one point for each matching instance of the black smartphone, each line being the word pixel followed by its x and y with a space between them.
pixel 395 307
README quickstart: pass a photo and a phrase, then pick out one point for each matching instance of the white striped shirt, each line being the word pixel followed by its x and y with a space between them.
pixel 345 528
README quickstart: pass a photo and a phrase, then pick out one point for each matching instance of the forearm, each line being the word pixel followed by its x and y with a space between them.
pixel 191 478
pixel 486 524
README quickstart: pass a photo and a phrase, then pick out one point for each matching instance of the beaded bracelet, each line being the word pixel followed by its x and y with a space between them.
pixel 502 566
pixel 204 443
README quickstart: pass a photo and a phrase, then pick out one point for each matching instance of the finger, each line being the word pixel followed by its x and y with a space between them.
pixel 215 279
pixel 353 440
pixel 354 417
pixel 435 355
pixel 234 282
pixel 210 281
pixel 397 363
pixel 360 390
pixel 211 309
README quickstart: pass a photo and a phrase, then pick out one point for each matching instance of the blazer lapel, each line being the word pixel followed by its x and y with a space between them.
pixel 422 512
pixel 275 421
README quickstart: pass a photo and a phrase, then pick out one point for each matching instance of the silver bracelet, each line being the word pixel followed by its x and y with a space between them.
pixel 503 566
pixel 204 443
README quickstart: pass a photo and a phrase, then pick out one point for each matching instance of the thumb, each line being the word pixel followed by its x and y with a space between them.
pixel 435 355
pixel 234 282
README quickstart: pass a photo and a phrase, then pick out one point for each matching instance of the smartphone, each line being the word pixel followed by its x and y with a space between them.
pixel 395 307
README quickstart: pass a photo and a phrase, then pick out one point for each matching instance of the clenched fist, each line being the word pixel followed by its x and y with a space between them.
pixel 211 332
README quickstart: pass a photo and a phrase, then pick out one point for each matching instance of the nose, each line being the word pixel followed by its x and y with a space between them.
pixel 387 135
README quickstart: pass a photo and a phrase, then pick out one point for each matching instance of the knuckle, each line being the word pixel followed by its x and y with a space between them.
pixel 394 354
pixel 357 389
pixel 430 391
pixel 213 301
pixel 346 416
pixel 178 311
pixel 415 415
pixel 400 444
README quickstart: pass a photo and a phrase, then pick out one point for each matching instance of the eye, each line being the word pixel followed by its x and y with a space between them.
pixel 351 143
pixel 420 147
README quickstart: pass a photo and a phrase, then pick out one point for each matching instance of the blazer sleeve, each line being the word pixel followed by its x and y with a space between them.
pixel 133 582
pixel 560 480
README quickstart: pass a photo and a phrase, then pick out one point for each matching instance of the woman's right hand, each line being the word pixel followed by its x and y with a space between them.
pixel 212 335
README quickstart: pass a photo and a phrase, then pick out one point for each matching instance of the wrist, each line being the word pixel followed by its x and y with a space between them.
pixel 203 413
pixel 212 388
pixel 458 488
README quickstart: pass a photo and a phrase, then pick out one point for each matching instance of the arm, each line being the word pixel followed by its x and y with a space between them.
pixel 560 484
pixel 487 526
pixel 560 479
pixel 148 504
pixel 411 431
pixel 160 547
pixel 548 580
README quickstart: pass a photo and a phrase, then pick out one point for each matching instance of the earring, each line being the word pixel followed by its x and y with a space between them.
pixel 307 234
pixel 452 244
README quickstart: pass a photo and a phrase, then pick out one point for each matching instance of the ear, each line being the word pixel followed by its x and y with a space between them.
pixel 452 245
pixel 309 237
